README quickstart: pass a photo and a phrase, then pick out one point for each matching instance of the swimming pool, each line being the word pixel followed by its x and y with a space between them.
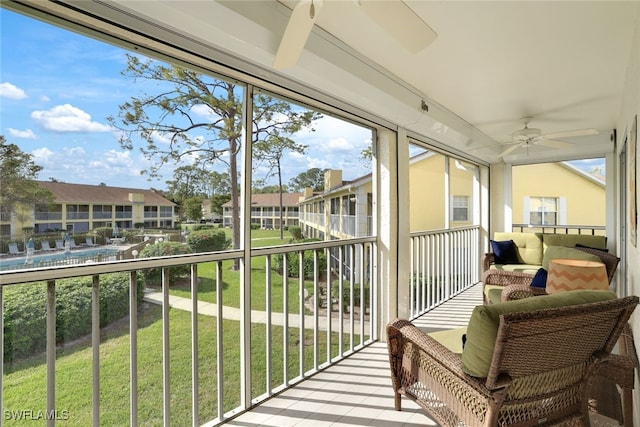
pixel 60 258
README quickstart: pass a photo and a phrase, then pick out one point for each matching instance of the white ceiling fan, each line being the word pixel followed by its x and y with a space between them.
pixel 394 16
pixel 527 136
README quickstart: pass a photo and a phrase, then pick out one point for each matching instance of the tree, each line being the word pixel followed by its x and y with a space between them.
pixel 217 200
pixel 313 178
pixel 188 119
pixel 197 120
pixel 269 189
pixel 218 183
pixel 18 173
pixel 279 121
pixel 193 208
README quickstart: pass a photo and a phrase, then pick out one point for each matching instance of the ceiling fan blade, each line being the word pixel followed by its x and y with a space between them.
pixel 401 22
pixel 571 133
pixel 509 150
pixel 554 143
pixel 297 32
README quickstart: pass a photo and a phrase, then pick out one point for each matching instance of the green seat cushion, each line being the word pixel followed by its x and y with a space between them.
pixel 555 252
pixel 519 268
pixel 450 338
pixel 482 329
pixel 495 295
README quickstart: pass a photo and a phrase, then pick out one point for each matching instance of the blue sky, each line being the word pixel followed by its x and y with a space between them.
pixel 57 89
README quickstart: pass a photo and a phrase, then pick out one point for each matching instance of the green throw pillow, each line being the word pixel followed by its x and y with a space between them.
pixel 556 252
pixel 483 324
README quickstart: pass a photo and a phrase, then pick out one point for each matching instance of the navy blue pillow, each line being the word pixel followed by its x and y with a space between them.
pixel 504 252
pixel 539 279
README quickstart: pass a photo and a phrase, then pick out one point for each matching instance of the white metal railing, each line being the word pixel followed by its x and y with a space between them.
pixel 594 230
pixel 304 323
pixel 443 264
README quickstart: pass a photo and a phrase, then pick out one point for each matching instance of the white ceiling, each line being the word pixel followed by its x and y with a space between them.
pixel 493 63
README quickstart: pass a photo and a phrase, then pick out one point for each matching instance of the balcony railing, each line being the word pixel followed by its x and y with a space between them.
pixel 77 215
pixel 48 216
pixel 595 230
pixel 268 333
pixel 443 264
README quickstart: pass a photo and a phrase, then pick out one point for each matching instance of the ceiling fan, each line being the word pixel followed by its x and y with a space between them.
pixel 395 17
pixel 527 136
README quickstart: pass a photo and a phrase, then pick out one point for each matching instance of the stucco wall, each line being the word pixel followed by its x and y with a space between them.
pixel 427 192
pixel 585 199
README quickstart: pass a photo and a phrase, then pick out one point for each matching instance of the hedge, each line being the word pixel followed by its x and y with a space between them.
pixel 153 276
pixel 26 314
pixel 208 240
pixel 293 264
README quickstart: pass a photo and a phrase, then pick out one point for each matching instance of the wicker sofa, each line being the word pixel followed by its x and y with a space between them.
pixel 535 250
pixel 527 362
pixel 531 248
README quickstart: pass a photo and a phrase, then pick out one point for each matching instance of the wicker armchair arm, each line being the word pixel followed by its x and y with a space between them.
pixel 425 342
pixel 505 278
pixel 514 292
pixel 620 367
pixel 487 260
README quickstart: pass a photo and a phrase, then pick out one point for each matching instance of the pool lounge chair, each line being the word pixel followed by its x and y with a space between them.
pixel 45 246
pixel 89 241
pixel 60 244
pixel 13 249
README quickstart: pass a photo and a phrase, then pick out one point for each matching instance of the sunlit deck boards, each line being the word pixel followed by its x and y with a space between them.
pixel 357 391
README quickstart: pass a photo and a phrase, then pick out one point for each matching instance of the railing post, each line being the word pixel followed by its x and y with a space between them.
pixel 194 347
pixel 95 346
pixel 51 351
pixel 166 372
pixel 133 349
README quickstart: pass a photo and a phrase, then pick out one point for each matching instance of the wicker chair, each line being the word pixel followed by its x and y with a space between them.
pixel 542 364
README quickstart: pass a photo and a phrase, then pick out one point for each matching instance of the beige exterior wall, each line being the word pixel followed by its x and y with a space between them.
pixel 427 193
pixel 582 200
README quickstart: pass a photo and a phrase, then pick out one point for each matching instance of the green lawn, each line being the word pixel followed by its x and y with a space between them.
pixel 231 279
pixel 25 381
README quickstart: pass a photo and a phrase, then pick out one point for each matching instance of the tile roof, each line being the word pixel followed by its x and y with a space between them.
pixel 101 194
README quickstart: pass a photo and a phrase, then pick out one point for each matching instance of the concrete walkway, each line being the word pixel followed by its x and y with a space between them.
pixel 232 313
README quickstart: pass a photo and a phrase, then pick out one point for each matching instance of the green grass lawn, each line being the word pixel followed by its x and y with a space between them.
pixel 231 279
pixel 25 381
pixel 25 384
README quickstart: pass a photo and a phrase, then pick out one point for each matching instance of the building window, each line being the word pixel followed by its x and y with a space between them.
pixel 460 208
pixel 543 210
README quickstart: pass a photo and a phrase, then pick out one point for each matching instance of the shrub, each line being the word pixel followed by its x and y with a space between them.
pixel 153 276
pixel 198 227
pixel 293 267
pixel 346 295
pixel 255 226
pixel 25 311
pixel 296 232
pixel 207 240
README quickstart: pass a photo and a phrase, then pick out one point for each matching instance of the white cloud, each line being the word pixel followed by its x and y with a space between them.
pixel 26 134
pixel 202 110
pixel 160 138
pixel 7 90
pixel 45 98
pixel 42 156
pixel 67 118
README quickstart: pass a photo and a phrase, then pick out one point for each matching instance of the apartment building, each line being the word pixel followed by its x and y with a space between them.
pixel 79 208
